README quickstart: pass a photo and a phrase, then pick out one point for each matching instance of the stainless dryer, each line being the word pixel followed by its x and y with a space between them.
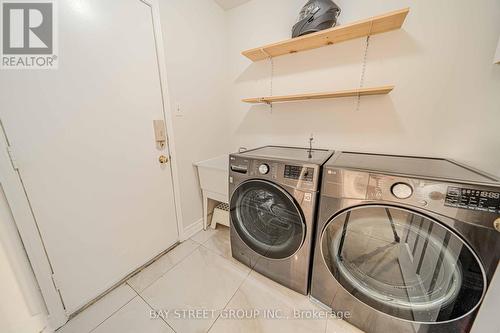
pixel 273 198
pixel 405 244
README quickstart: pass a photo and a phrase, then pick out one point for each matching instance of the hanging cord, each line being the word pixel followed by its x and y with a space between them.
pixel 271 62
pixel 363 72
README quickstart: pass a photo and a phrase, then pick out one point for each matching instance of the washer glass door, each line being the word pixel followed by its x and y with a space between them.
pixel 267 219
pixel 402 263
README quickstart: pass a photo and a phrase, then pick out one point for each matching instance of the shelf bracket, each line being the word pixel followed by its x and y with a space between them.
pixel 265 52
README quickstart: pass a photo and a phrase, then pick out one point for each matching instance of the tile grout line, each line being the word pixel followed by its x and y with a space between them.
pixel 151 307
pixel 198 245
pixel 239 287
pixel 168 270
pixel 138 294
pixel 213 251
pixel 251 269
pixel 114 312
pixel 226 259
pixel 190 254
pixel 216 253
pixel 214 232
pixel 229 301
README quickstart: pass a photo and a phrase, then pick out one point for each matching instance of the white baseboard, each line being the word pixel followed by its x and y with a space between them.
pixel 191 230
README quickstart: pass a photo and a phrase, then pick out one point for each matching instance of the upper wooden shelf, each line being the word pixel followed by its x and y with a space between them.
pixel 375 25
pixel 336 94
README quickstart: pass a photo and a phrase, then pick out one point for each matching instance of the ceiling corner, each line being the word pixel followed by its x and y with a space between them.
pixel 230 4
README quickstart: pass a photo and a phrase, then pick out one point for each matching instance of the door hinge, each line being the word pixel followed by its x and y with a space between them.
pixel 56 285
pixel 54 280
pixel 12 157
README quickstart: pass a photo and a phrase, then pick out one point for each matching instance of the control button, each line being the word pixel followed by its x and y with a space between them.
pixel 423 203
pixel 496 224
pixel 402 191
pixel 264 169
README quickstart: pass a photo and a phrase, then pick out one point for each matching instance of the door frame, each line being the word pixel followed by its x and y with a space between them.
pixel 29 232
pixel 167 109
pixel 21 208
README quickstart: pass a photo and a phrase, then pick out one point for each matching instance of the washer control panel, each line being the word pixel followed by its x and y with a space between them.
pixel 299 173
pixel 466 198
pixel 402 190
pixel 264 169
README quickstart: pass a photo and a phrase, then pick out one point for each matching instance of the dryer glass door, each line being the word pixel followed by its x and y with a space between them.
pixel 267 219
pixel 402 263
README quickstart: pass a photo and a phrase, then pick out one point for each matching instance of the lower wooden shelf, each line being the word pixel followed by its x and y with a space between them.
pixel 326 95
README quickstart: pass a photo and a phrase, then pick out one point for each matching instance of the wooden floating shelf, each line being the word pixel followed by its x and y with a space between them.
pixel 372 26
pixel 328 95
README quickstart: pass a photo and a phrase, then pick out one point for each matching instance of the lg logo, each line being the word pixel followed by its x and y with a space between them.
pixel 28 29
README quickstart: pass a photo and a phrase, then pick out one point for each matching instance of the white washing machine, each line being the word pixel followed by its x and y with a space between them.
pixel 405 244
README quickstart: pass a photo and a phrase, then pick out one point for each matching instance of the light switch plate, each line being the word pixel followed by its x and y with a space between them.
pixel 160 133
pixel 179 111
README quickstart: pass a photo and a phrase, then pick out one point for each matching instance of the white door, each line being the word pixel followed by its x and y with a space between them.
pixel 85 147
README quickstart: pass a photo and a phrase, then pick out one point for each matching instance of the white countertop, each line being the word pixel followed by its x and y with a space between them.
pixel 220 163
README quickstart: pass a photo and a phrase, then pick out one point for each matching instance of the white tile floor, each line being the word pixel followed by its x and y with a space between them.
pixel 201 274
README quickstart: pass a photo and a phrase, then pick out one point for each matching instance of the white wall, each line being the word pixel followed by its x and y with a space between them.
pixel 195 37
pixel 497 55
pixel 446 101
pixel 21 305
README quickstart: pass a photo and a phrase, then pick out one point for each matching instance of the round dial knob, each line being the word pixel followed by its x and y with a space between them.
pixel 402 191
pixel 496 224
pixel 264 169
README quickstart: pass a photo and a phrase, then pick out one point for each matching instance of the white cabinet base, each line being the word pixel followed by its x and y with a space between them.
pixel 214 174
pixel 209 204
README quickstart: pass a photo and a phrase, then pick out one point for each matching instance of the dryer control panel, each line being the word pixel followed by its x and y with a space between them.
pixel 480 200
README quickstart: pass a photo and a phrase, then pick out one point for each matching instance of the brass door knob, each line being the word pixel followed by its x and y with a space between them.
pixel 163 159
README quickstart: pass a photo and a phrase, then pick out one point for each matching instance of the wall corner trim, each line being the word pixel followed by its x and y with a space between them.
pixel 497 54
